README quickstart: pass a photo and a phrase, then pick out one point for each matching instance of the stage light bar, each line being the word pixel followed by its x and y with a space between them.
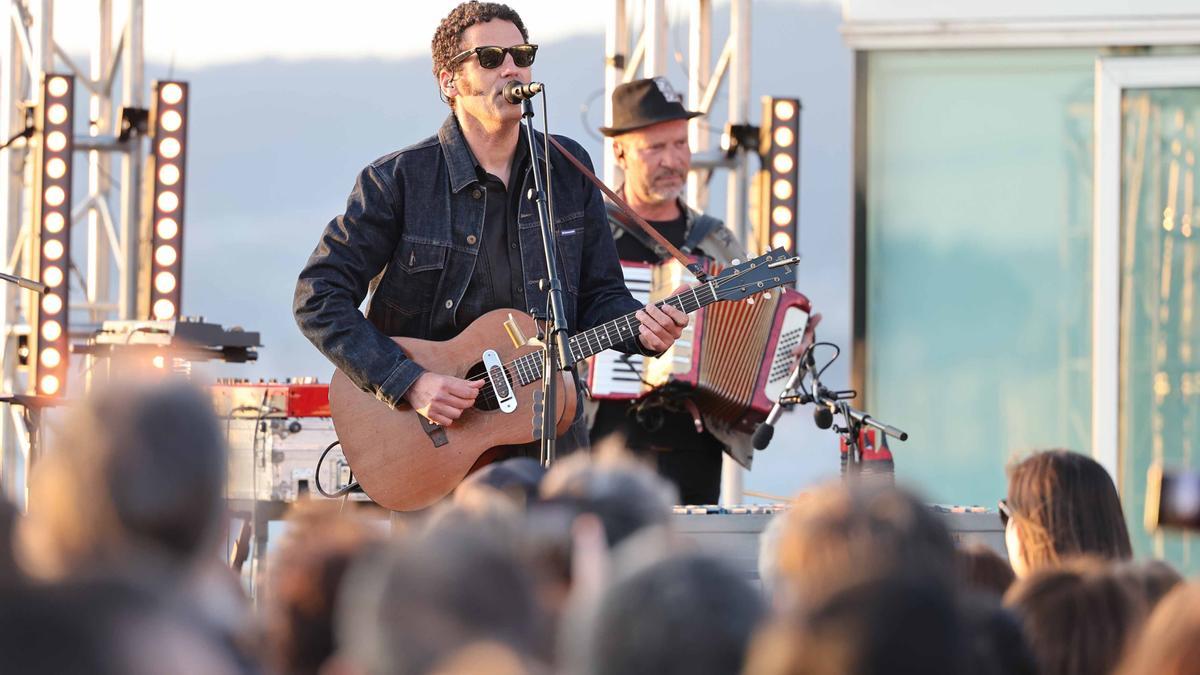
pixel 52 213
pixel 778 197
pixel 167 162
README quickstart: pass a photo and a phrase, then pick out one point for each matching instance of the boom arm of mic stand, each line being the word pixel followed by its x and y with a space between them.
pixel 864 418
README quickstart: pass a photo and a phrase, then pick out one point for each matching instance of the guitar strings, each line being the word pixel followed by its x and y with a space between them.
pixel 487 395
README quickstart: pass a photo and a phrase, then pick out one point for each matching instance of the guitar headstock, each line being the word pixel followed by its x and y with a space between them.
pixel 773 269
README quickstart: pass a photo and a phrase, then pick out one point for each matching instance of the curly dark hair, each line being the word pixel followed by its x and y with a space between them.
pixel 447 39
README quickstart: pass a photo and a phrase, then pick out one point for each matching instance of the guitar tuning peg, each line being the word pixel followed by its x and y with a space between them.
pixel 767 295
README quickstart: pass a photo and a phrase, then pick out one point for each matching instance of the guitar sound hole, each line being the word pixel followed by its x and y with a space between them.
pixel 486 400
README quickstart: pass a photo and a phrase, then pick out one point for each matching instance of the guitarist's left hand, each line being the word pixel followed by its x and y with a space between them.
pixel 660 326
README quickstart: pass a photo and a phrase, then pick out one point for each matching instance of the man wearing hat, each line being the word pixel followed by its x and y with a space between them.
pixel 650 141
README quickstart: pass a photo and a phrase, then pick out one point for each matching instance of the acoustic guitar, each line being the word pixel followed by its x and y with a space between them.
pixel 405 462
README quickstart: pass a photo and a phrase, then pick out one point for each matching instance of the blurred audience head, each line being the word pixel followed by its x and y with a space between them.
pixel 982 569
pixel 837 535
pixel 10 572
pixel 512 482
pixel 138 474
pixel 304 579
pixel 625 494
pixel 1154 578
pixel 1170 642
pixel 1078 616
pixel 889 625
pixel 996 643
pixel 683 615
pixel 1061 504
pixel 418 602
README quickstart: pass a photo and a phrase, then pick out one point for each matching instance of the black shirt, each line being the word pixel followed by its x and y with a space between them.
pixel 498 275
pixel 630 249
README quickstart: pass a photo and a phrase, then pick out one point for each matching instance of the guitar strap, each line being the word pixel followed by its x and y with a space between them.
pixel 692 267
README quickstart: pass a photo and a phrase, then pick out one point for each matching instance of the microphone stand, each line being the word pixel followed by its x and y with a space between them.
pixel 830 403
pixel 557 349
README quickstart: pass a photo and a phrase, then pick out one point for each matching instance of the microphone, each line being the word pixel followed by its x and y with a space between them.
pixel 515 92
pixel 25 283
pixel 766 429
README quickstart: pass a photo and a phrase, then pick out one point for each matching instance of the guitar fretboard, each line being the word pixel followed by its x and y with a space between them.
pixel 528 368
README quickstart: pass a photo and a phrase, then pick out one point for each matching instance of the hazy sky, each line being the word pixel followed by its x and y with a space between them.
pixel 196 33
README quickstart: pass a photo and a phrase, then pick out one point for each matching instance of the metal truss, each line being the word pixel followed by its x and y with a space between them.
pixel 105 279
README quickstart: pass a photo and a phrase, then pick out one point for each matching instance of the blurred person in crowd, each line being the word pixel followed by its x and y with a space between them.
pixel 625 494
pixel 99 626
pixel 422 600
pixel 996 643
pixel 839 535
pixel 138 475
pixel 1170 642
pixel 515 481
pixel 133 491
pixel 1154 578
pixel 683 615
pixel 1061 504
pixel 889 625
pixel 10 572
pixel 305 574
pixel 1078 616
pixel 983 570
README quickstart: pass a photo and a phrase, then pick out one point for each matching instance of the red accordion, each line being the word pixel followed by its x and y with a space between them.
pixel 733 359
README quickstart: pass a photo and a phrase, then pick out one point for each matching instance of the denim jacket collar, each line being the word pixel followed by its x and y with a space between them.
pixel 459 158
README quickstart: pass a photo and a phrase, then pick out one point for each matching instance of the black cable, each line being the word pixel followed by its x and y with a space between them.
pixel 317 475
pixel 24 133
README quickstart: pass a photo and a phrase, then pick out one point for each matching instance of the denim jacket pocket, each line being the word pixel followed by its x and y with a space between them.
pixel 410 286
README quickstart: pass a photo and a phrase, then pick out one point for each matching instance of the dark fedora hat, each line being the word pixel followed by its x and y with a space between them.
pixel 641 103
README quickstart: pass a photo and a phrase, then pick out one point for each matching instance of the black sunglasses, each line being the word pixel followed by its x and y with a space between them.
pixel 492 57
pixel 1005 512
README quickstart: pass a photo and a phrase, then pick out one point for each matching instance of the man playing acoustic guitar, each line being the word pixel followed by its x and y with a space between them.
pixel 444 231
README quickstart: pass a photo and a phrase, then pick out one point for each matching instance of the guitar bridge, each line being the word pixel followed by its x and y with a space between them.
pixel 505 396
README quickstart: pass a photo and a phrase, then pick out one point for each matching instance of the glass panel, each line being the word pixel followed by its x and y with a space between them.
pixel 979 260
pixel 1160 268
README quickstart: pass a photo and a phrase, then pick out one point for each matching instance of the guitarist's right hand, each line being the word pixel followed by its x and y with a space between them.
pixel 441 398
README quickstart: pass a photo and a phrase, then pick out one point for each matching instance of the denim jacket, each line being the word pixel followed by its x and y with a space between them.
pixel 411 234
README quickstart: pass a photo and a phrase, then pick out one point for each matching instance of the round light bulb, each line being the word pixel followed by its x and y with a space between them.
pixel 57 114
pixel 782 240
pixel 172 120
pixel 170 148
pixel 49 385
pixel 56 167
pixel 164 282
pixel 168 174
pixel 782 189
pixel 52 303
pixel 171 93
pixel 168 202
pixel 781 216
pixel 167 228
pixel 55 195
pixel 164 309
pixel 54 222
pixel 166 255
pixel 51 357
pixel 785 110
pixel 56 141
pixel 53 277
pixel 53 249
pixel 783 163
pixel 784 137
pixel 51 330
